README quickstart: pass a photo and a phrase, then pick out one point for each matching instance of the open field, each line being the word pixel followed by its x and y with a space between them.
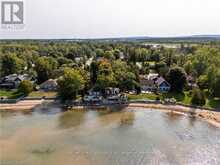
pixel 10 94
pixel 184 98
pixel 42 94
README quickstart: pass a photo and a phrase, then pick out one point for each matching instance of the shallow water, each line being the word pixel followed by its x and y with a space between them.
pixel 49 136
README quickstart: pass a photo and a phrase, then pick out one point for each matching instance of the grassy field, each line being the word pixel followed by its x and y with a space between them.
pixel 213 103
pixel 10 94
pixel 150 96
pixel 42 94
pixel 184 98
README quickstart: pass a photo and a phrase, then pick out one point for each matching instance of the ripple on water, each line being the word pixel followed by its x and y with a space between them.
pixel 133 136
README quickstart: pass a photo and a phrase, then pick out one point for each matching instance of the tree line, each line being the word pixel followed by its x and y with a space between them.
pixel 112 64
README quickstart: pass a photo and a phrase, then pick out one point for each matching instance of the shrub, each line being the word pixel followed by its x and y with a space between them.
pixel 198 97
pixel 26 87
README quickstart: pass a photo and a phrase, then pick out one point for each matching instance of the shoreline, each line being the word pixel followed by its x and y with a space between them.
pixel 211 117
pixel 208 115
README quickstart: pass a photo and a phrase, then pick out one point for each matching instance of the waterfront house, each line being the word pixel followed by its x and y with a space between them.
pixel 13 81
pixel 153 82
pixel 147 85
pixel 112 91
pixel 92 98
pixel 49 85
pixel 112 94
pixel 162 84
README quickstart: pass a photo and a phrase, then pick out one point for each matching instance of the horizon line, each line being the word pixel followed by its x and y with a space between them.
pixel 123 37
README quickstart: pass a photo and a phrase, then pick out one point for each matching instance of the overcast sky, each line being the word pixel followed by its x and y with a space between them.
pixel 116 18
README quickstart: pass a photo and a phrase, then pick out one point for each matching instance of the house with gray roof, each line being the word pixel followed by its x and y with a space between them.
pixel 154 82
pixel 162 85
pixel 12 81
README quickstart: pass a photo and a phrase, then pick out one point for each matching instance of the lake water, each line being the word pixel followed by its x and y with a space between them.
pixel 49 136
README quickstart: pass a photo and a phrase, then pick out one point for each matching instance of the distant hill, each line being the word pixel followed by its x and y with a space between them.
pixel 178 39
pixel 193 38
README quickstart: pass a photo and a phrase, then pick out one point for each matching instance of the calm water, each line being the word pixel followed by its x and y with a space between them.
pixel 48 136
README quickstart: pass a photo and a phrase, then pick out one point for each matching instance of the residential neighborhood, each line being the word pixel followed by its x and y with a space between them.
pixel 12 81
pixel 112 73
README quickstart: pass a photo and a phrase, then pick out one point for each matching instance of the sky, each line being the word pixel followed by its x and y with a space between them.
pixel 55 19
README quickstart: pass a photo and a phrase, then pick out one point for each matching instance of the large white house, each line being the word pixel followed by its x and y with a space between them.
pixel 154 82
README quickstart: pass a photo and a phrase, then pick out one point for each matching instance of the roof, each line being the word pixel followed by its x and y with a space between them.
pixel 152 76
pixel 49 82
pixel 160 80
pixel 145 81
pixel 23 77
pixel 14 77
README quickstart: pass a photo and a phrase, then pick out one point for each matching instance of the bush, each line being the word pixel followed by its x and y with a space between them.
pixel 177 79
pixel 26 87
pixel 70 84
pixel 198 97
pixel 203 82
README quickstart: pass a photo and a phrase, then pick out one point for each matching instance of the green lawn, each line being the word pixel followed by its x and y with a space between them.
pixel 180 97
pixel 10 94
pixel 184 97
pixel 150 96
pixel 42 93
pixel 213 103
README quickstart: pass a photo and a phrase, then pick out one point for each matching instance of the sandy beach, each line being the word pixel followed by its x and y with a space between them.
pixel 21 105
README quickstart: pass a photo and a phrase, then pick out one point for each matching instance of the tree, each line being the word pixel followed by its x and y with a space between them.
pixel 177 79
pixel 11 64
pixel 45 67
pixel 188 67
pixel 129 81
pixel 70 84
pixel 93 72
pixel 25 87
pixel 99 53
pixel 63 60
pixel 198 97
pixel 116 54
pixel 109 55
pixel 203 82
pixel 211 76
pixel 105 76
pixel 161 68
pixel 169 56
pixel 215 88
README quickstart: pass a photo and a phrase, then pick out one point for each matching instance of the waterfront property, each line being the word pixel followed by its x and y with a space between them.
pixel 49 85
pixel 12 81
pixel 162 84
pixel 154 82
